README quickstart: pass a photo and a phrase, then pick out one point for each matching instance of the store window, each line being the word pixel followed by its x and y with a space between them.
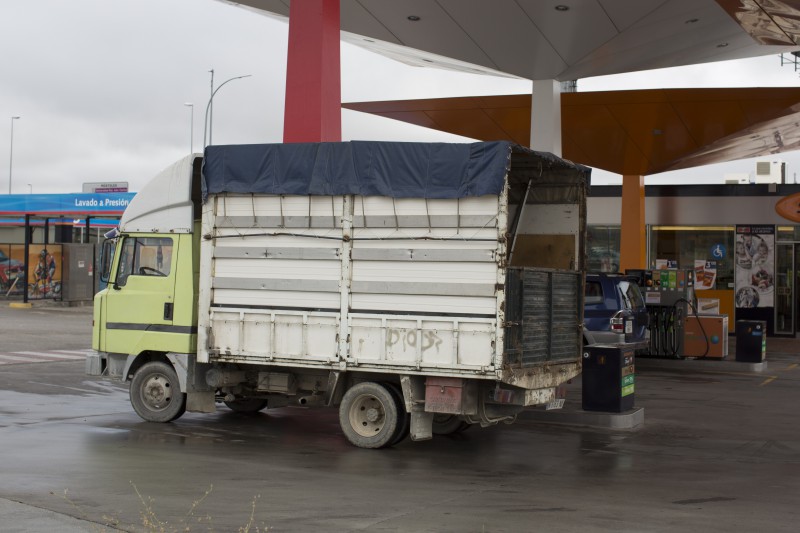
pixel 685 246
pixel 788 233
pixel 603 248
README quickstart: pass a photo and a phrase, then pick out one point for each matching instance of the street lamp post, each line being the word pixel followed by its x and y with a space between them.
pixel 211 114
pixel 210 102
pixel 11 153
pixel 191 127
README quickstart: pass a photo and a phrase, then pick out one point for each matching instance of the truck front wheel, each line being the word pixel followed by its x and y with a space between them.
pixel 368 415
pixel 155 393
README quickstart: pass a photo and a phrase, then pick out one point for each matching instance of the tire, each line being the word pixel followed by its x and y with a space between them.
pixel 247 405
pixel 155 393
pixel 444 424
pixel 403 418
pixel 368 415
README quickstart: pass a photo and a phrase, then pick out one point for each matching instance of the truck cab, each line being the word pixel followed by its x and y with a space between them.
pixel 150 264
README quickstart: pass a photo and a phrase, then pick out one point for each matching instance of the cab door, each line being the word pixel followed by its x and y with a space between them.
pixel 141 296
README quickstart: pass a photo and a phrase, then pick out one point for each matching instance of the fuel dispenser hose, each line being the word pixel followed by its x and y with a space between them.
pixel 664 336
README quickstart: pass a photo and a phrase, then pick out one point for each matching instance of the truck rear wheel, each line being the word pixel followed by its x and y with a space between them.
pixel 155 393
pixel 403 418
pixel 444 424
pixel 368 415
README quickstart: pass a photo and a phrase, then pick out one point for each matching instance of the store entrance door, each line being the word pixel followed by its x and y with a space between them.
pixel 787 304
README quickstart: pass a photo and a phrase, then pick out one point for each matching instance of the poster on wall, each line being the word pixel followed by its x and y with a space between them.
pixel 705 274
pixel 664 264
pixel 44 274
pixel 12 270
pixel 755 266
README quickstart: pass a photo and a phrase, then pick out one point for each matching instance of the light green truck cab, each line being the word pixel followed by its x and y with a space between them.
pixel 147 314
pixel 150 302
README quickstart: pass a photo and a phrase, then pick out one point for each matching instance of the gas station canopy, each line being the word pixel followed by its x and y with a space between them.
pixel 563 39
pixel 640 132
pixel 627 132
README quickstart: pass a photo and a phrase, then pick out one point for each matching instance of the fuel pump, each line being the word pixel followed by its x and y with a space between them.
pixel 669 297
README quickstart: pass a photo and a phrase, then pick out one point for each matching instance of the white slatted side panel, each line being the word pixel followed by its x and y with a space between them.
pixel 444 269
pixel 256 335
pixel 279 211
pixel 423 281
pixel 258 262
pixel 422 341
pixel 434 257
pixel 276 275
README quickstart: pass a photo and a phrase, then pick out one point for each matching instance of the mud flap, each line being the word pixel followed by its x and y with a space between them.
pixel 421 424
pixel 201 402
pixel 414 396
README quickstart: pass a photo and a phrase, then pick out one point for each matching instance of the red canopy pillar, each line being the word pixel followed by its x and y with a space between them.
pixel 313 109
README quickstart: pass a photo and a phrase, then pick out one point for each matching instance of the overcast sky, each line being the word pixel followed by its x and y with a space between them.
pixel 100 87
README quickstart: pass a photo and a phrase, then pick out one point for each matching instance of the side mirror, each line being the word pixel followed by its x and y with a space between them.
pixel 107 259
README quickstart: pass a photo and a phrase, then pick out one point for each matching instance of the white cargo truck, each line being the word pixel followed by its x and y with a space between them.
pixel 420 288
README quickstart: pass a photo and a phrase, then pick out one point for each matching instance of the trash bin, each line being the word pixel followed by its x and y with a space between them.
pixel 608 378
pixel 751 341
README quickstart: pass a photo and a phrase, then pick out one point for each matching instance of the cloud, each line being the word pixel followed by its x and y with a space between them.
pixel 101 86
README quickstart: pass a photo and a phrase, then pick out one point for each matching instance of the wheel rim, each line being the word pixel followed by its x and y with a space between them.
pixel 367 415
pixel 156 392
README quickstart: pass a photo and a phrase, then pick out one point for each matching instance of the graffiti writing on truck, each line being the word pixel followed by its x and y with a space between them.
pixel 409 338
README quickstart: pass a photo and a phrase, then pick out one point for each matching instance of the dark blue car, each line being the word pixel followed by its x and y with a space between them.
pixel 614 311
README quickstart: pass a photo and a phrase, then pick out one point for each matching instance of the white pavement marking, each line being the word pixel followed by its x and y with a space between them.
pixel 51 355
pixel 11 358
pixel 42 357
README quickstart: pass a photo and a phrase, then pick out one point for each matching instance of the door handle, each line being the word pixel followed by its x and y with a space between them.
pixel 168 309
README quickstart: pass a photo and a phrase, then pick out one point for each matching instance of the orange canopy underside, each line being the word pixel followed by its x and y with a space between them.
pixel 640 132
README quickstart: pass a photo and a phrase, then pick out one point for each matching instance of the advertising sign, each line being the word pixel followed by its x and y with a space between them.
pixel 44 271
pixel 789 207
pixel 705 274
pixel 12 269
pixel 99 186
pixel 65 204
pixel 755 266
pixel 44 275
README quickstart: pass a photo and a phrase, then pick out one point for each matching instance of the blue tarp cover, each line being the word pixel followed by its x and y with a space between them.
pixel 392 169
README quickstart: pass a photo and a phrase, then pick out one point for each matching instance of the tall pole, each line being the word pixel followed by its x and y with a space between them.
pixel 211 114
pixel 209 106
pixel 11 153
pixel 191 128
pixel 313 109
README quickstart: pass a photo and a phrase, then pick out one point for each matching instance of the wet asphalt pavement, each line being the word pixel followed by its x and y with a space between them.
pixel 719 451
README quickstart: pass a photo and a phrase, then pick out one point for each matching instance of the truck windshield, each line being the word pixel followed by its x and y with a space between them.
pixel 144 256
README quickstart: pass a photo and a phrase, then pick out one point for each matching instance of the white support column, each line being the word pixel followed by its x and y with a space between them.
pixel 546 116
